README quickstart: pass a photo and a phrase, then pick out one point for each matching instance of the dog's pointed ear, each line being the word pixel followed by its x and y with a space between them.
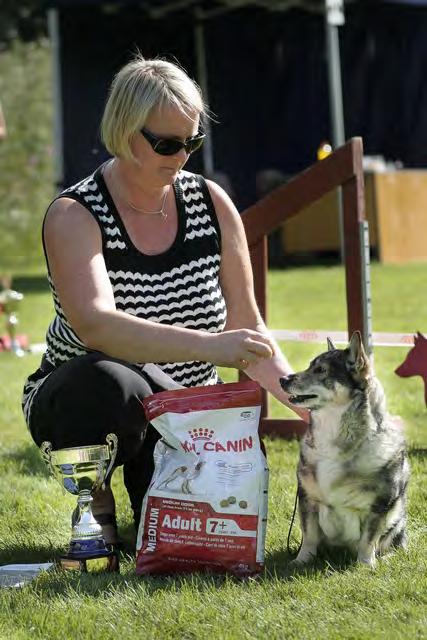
pixel 331 346
pixel 355 347
pixel 357 360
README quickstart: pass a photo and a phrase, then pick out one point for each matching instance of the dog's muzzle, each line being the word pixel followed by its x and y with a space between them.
pixel 286 381
pixel 297 398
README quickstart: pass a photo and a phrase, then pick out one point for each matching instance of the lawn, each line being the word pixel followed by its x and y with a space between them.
pixel 334 599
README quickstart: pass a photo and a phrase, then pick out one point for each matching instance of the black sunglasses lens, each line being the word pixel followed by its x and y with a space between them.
pixel 168 147
pixel 193 145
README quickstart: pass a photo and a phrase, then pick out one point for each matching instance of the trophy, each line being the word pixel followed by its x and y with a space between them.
pixel 80 471
pixel 9 302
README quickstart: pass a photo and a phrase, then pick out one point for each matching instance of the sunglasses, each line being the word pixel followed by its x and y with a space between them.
pixel 170 146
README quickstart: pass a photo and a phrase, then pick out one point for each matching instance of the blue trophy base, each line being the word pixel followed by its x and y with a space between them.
pixel 90 555
pixel 84 549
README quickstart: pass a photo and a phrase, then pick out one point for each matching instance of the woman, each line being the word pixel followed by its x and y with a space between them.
pixel 147 263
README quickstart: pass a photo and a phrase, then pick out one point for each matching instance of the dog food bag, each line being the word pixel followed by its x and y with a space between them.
pixel 206 507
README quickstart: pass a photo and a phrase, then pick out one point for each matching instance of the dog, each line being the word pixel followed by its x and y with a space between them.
pixel 353 470
pixel 185 475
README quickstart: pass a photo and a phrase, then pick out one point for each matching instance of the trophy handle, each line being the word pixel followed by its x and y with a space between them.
pixel 112 441
pixel 46 450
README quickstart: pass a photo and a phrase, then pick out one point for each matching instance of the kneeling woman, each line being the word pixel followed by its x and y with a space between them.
pixel 147 263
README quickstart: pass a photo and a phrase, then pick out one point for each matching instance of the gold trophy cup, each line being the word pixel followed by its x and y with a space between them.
pixel 81 471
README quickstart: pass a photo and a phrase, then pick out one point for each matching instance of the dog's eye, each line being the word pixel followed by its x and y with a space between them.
pixel 319 369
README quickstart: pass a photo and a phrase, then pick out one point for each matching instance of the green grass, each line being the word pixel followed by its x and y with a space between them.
pixel 333 599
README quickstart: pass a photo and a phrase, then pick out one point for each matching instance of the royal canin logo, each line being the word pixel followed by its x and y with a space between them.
pixel 202 433
pixel 202 439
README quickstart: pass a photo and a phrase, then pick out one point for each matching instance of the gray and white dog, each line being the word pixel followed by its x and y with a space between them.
pixel 353 469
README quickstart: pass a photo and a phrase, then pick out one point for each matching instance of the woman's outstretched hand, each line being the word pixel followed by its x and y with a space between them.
pixel 239 348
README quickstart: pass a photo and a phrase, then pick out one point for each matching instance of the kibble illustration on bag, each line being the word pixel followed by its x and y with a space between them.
pixel 206 507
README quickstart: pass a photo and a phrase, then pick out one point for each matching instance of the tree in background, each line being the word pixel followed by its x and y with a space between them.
pixel 24 20
pixel 26 171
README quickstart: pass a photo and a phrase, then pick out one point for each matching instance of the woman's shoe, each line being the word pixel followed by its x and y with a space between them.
pixel 104 512
pixel 108 524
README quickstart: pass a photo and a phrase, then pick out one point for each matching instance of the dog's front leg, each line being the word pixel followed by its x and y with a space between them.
pixel 185 487
pixel 309 519
pixel 371 533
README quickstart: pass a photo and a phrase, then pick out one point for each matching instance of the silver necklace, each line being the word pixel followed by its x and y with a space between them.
pixel 159 212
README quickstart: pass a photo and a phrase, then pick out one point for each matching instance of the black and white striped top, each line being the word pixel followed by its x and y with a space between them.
pixel 178 287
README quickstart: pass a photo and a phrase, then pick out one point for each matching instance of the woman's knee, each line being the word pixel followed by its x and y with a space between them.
pixel 90 396
pixel 124 382
pixel 99 381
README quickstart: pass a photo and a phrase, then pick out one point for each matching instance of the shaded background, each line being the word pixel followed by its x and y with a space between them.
pixel 267 81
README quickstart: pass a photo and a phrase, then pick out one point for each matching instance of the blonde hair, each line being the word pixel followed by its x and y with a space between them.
pixel 137 88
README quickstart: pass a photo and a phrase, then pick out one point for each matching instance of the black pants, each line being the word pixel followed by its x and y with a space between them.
pixel 93 395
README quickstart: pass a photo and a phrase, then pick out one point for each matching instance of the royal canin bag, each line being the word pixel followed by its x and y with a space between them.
pixel 206 507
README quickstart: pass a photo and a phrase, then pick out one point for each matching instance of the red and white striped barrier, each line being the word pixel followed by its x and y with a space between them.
pixel 379 339
pixel 341 337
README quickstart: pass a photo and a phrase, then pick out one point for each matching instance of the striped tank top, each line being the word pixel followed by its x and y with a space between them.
pixel 178 287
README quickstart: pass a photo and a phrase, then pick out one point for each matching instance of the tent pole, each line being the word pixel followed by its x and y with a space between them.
pixel 58 151
pixel 334 17
pixel 202 79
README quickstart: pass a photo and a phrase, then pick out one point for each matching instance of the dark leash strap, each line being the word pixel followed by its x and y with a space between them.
pixel 288 542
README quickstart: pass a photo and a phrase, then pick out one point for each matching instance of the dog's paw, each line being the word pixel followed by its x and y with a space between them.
pixel 302 559
pixel 367 561
pixel 296 564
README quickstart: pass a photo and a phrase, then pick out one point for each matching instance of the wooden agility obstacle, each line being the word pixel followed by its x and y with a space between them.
pixel 343 168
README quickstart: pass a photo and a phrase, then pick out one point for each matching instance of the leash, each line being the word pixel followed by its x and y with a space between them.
pixel 288 546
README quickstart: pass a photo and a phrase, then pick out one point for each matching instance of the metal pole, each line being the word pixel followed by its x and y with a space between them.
pixel 334 17
pixel 366 287
pixel 58 151
pixel 334 13
pixel 202 78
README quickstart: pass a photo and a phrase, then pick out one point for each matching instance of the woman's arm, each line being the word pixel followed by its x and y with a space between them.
pixel 74 249
pixel 238 290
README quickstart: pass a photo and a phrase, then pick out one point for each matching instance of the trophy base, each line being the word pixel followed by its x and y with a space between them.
pixel 93 564
pixel 88 548
pixel 90 556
